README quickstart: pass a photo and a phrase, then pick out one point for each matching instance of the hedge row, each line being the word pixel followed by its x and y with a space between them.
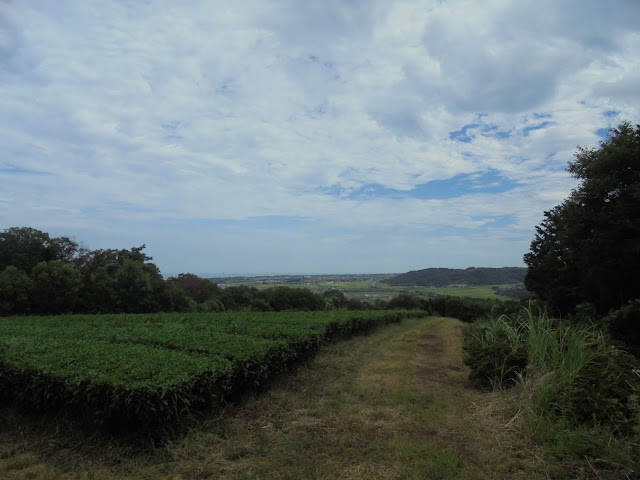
pixel 144 373
pixel 113 385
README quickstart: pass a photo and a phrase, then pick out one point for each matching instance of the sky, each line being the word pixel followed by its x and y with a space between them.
pixel 257 137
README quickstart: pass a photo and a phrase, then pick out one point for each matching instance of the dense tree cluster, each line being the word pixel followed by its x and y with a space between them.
pixel 585 257
pixel 44 275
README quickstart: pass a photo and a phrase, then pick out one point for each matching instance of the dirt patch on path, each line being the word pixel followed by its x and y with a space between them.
pixel 475 424
pixel 439 358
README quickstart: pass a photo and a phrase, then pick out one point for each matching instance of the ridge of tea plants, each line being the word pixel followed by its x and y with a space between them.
pixel 145 372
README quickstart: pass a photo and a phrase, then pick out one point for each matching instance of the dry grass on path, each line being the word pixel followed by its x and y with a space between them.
pixel 391 405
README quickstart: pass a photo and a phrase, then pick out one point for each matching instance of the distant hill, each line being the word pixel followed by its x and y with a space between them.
pixel 441 277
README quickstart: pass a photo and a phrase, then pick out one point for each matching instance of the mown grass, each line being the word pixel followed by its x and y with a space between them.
pixel 391 405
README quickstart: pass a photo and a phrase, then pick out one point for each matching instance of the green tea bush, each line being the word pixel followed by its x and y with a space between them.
pixel 112 385
pixel 144 373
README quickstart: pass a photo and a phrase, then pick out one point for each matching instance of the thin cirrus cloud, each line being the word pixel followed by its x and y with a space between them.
pixel 306 137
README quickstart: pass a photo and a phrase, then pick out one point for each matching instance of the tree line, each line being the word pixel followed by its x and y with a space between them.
pixel 44 275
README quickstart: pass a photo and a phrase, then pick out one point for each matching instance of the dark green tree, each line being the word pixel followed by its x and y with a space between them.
pixel 287 298
pixel 121 281
pixel 15 291
pixel 99 291
pixel 139 286
pixel 197 288
pixel 55 287
pixel 588 248
pixel 334 298
pixel 239 297
pixel 25 247
pixel 406 301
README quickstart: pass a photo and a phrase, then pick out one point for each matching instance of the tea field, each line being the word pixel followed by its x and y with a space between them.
pixel 145 372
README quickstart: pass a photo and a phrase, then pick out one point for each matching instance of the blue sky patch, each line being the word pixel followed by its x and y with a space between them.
pixel 502 134
pixel 227 88
pixel 466 135
pixel 488 182
pixel 14 170
pixel 492 131
pixel 462 135
pixel 603 133
pixel 464 184
pixel 172 131
pixel 527 130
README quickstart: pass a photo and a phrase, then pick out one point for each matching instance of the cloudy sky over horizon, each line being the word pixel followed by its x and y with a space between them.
pixel 280 136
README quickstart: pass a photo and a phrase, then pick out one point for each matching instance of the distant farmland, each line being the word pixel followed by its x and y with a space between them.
pixel 501 283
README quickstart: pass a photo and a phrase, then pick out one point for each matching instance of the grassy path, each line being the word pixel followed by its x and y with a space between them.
pixel 391 405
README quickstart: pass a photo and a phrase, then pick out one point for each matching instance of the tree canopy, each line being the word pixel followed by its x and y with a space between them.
pixel 587 249
pixel 25 247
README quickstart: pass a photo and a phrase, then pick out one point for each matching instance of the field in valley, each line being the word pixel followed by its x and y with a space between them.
pixel 363 287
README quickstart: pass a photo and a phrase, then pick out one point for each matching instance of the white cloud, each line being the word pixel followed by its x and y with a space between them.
pixel 148 114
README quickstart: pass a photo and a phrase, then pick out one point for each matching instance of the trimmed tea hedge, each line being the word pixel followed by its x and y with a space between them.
pixel 110 384
pixel 144 372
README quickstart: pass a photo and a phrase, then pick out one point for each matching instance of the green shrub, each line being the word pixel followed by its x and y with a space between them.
pixel 623 325
pixel 113 385
pixel 406 301
pixel 464 309
pixel 580 376
pixel 581 392
pixel 211 306
pixel 495 351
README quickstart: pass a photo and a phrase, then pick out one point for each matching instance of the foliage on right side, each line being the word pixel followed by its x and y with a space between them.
pixel 586 253
pixel 578 388
pixel 579 393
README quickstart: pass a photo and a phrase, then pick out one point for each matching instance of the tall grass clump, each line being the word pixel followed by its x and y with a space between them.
pixel 580 392
pixel 496 351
